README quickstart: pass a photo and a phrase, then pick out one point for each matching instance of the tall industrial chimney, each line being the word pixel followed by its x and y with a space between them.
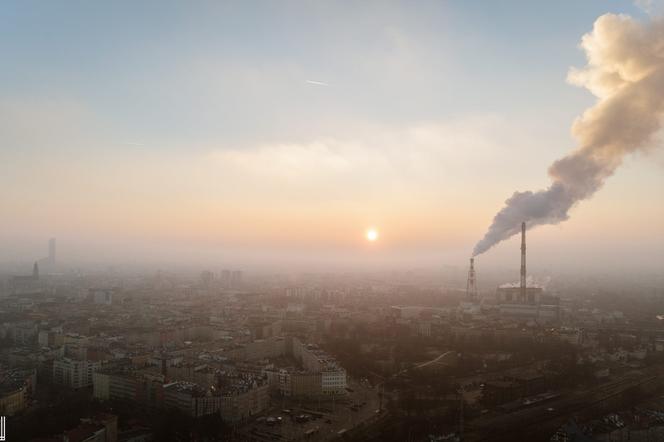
pixel 523 262
pixel 471 284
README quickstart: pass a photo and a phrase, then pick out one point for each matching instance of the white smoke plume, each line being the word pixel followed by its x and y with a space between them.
pixel 625 71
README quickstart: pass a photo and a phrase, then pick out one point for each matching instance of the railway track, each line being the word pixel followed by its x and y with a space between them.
pixel 539 422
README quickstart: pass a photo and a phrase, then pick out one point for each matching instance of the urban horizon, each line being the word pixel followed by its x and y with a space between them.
pixel 254 221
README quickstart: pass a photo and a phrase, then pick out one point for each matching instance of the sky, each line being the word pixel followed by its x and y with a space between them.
pixel 279 132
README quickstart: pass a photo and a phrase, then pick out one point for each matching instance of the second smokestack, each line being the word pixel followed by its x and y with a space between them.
pixel 523 261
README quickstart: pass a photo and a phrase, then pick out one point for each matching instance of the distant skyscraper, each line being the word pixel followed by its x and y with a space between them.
pixel 51 251
pixel 35 271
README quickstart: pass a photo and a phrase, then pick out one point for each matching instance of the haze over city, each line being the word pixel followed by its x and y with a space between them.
pixel 312 220
pixel 277 134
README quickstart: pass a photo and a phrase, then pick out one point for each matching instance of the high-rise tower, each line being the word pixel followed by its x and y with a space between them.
pixel 522 293
pixel 471 285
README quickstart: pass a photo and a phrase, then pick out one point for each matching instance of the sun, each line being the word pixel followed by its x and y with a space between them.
pixel 372 235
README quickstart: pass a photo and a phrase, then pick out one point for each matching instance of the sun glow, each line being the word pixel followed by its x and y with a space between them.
pixel 372 235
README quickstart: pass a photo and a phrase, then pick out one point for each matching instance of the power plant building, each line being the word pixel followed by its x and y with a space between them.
pixel 520 301
pixel 512 294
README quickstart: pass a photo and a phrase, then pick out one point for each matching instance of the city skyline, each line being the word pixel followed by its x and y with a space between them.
pixel 319 220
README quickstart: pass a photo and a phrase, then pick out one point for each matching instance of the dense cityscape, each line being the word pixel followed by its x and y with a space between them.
pixel 106 355
pixel 331 220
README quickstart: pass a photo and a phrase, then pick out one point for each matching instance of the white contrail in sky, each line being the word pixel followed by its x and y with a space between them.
pixel 317 83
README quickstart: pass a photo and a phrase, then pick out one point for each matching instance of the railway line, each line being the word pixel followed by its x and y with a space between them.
pixel 541 421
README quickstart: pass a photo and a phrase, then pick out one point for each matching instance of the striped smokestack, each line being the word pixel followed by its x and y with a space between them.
pixel 523 261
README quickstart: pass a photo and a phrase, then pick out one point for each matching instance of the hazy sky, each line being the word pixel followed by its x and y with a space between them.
pixel 236 132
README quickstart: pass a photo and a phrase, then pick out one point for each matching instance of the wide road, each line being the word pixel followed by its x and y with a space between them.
pixel 435 360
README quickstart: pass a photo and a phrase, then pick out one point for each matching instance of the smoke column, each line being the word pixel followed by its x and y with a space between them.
pixel 625 71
